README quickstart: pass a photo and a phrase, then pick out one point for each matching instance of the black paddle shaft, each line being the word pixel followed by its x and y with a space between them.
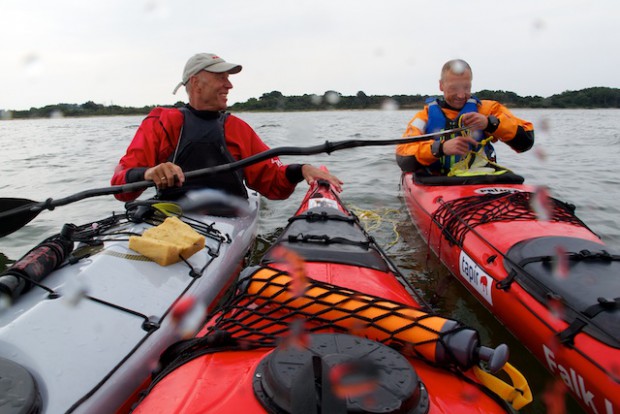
pixel 17 212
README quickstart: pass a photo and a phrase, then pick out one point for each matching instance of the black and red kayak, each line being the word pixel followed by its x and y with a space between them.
pixel 536 266
pixel 327 324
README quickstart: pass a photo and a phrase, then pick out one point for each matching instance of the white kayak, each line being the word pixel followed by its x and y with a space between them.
pixel 90 333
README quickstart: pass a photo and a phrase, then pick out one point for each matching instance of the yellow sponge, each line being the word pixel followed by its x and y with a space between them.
pixel 166 243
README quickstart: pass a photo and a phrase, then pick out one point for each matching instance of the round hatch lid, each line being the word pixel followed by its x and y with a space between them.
pixel 18 389
pixel 340 374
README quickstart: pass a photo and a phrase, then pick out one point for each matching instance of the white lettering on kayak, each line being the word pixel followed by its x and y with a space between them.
pixel 608 407
pixel 574 382
pixel 496 190
pixel 475 276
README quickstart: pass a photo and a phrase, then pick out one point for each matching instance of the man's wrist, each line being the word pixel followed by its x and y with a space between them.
pixel 437 148
pixel 294 173
pixel 492 125
pixel 136 174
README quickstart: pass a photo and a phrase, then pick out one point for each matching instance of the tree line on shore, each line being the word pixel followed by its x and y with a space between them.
pixel 275 101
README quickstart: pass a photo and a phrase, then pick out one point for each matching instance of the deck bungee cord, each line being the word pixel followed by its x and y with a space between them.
pixel 58 251
pixel 459 216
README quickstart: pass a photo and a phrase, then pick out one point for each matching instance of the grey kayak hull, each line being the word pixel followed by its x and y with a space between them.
pixel 91 352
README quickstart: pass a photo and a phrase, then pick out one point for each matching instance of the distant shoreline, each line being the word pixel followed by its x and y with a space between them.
pixel 590 98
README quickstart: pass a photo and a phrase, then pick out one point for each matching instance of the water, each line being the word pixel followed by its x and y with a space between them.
pixel 576 156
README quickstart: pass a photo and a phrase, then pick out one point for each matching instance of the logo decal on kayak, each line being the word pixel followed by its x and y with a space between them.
pixel 475 276
pixel 322 202
pixel 496 190
pixel 575 382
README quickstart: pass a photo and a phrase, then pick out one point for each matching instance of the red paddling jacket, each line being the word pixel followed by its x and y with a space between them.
pixel 202 134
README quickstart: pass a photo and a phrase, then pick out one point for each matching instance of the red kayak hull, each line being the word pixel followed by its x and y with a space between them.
pixel 589 367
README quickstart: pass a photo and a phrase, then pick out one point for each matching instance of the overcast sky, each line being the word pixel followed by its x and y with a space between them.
pixel 132 52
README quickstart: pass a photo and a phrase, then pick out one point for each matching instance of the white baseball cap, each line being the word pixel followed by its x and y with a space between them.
pixel 206 61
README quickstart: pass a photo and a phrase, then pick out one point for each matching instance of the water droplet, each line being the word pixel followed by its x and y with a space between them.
pixel 560 263
pixel 5 302
pixel 32 64
pixel 188 314
pixel 354 378
pixel 541 203
pixel 56 114
pixel 470 393
pixel 554 397
pixel 538 25
pixel 540 154
pixel 458 67
pixel 295 266
pixel 389 105
pixel 556 307
pixel 332 97
pixel 297 336
pixel 156 9
pixel 74 291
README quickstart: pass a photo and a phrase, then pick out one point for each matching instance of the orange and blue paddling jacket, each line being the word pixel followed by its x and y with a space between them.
pixel 437 115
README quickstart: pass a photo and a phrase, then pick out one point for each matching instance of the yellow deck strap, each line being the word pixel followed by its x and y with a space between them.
pixel 168 209
pixel 474 172
pixel 518 395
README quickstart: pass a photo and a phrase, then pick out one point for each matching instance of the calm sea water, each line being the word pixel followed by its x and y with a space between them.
pixel 576 156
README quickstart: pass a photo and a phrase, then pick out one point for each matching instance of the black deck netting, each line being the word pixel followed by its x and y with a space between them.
pixel 457 217
pixel 268 311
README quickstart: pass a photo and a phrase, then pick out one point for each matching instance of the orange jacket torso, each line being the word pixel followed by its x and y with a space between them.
pixel 512 130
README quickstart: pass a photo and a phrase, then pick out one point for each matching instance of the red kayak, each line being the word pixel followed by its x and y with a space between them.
pixel 536 266
pixel 327 324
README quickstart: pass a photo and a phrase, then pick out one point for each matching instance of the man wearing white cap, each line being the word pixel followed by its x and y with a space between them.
pixel 200 135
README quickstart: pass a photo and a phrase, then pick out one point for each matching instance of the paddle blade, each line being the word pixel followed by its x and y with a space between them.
pixel 15 214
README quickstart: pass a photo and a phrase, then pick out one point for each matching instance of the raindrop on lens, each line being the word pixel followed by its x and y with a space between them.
pixel 332 97
pixel 389 105
pixel 316 99
pixel 458 67
pixel 32 64
pixel 74 291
